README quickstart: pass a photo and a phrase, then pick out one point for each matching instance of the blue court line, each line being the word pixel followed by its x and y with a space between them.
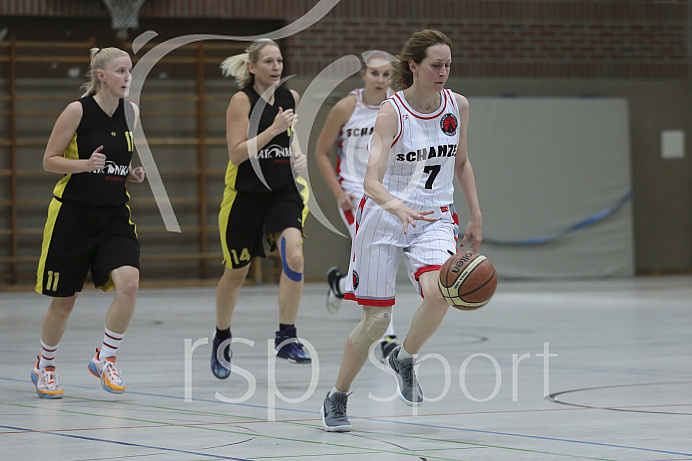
pixel 593 219
pixel 537 437
pixel 163 396
pixel 508 434
pixel 658 374
pixel 128 444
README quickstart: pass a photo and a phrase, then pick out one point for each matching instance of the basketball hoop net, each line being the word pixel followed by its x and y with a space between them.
pixel 124 15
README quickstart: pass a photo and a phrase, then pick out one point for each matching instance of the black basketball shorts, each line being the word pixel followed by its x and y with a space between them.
pixel 247 220
pixel 79 238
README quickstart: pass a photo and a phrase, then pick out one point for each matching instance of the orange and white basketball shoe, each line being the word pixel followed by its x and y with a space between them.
pixel 46 382
pixel 109 374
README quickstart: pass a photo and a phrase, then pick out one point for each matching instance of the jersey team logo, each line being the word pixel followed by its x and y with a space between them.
pixel 356 280
pixel 449 124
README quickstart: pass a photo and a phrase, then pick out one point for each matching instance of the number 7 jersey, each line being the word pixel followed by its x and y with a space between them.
pixel 420 168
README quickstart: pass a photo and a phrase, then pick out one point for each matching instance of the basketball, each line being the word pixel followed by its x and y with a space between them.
pixel 467 280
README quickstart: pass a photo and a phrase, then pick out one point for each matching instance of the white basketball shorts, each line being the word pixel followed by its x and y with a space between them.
pixel 349 216
pixel 380 242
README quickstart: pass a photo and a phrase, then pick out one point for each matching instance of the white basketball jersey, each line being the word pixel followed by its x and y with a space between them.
pixel 352 159
pixel 420 168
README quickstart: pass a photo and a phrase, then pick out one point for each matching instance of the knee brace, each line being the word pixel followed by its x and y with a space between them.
pixel 290 273
pixel 373 323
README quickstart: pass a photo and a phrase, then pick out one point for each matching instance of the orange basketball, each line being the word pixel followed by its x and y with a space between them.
pixel 467 280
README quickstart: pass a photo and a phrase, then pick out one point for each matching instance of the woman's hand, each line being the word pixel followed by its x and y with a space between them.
pixel 473 232
pixel 409 217
pixel 284 120
pixel 300 161
pixel 136 174
pixel 97 160
pixel 347 201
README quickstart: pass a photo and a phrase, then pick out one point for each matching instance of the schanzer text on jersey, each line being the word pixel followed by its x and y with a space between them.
pixel 349 132
pixel 352 160
pixel 445 150
pixel 420 167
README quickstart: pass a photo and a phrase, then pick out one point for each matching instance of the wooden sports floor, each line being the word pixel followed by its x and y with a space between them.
pixel 559 370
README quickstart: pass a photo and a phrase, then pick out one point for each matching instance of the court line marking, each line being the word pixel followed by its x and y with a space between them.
pixel 553 398
pixel 128 444
pixel 467 445
pixel 379 419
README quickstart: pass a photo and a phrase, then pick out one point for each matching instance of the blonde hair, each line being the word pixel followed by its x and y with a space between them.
pixel 377 58
pixel 416 49
pixel 100 57
pixel 236 66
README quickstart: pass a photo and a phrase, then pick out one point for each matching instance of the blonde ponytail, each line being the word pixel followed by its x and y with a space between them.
pixel 237 66
pixel 99 58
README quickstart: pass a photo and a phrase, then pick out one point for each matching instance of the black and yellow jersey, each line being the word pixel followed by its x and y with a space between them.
pixel 104 187
pixel 274 159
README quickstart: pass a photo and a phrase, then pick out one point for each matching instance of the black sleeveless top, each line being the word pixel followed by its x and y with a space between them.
pixel 274 159
pixel 105 187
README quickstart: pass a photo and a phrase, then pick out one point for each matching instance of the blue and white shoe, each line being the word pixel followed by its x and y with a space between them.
pixel 288 347
pixel 221 357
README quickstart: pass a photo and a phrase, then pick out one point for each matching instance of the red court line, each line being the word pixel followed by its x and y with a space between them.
pixel 233 423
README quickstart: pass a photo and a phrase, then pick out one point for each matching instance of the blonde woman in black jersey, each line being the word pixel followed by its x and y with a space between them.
pixel 264 202
pixel 88 226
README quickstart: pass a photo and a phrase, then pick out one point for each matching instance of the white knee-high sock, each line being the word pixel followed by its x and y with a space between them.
pixel 48 354
pixel 111 342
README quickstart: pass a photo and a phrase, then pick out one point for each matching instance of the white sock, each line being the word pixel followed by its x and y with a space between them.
pixel 111 342
pixel 390 328
pixel 403 354
pixel 334 389
pixel 47 355
pixel 342 284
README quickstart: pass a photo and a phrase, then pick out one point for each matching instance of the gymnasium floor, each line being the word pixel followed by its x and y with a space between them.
pixel 614 358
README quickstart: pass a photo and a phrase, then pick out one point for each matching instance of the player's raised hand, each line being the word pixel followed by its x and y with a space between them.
pixel 97 160
pixel 284 120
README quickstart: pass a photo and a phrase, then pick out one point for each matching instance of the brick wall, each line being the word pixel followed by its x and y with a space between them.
pixel 611 39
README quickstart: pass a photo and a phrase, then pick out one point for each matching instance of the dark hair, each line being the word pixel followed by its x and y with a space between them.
pixel 416 49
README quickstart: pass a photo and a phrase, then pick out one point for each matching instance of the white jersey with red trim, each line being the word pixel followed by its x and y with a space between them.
pixel 420 168
pixel 352 153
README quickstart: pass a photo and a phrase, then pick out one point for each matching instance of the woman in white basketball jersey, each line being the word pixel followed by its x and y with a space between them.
pixel 350 124
pixel 417 149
